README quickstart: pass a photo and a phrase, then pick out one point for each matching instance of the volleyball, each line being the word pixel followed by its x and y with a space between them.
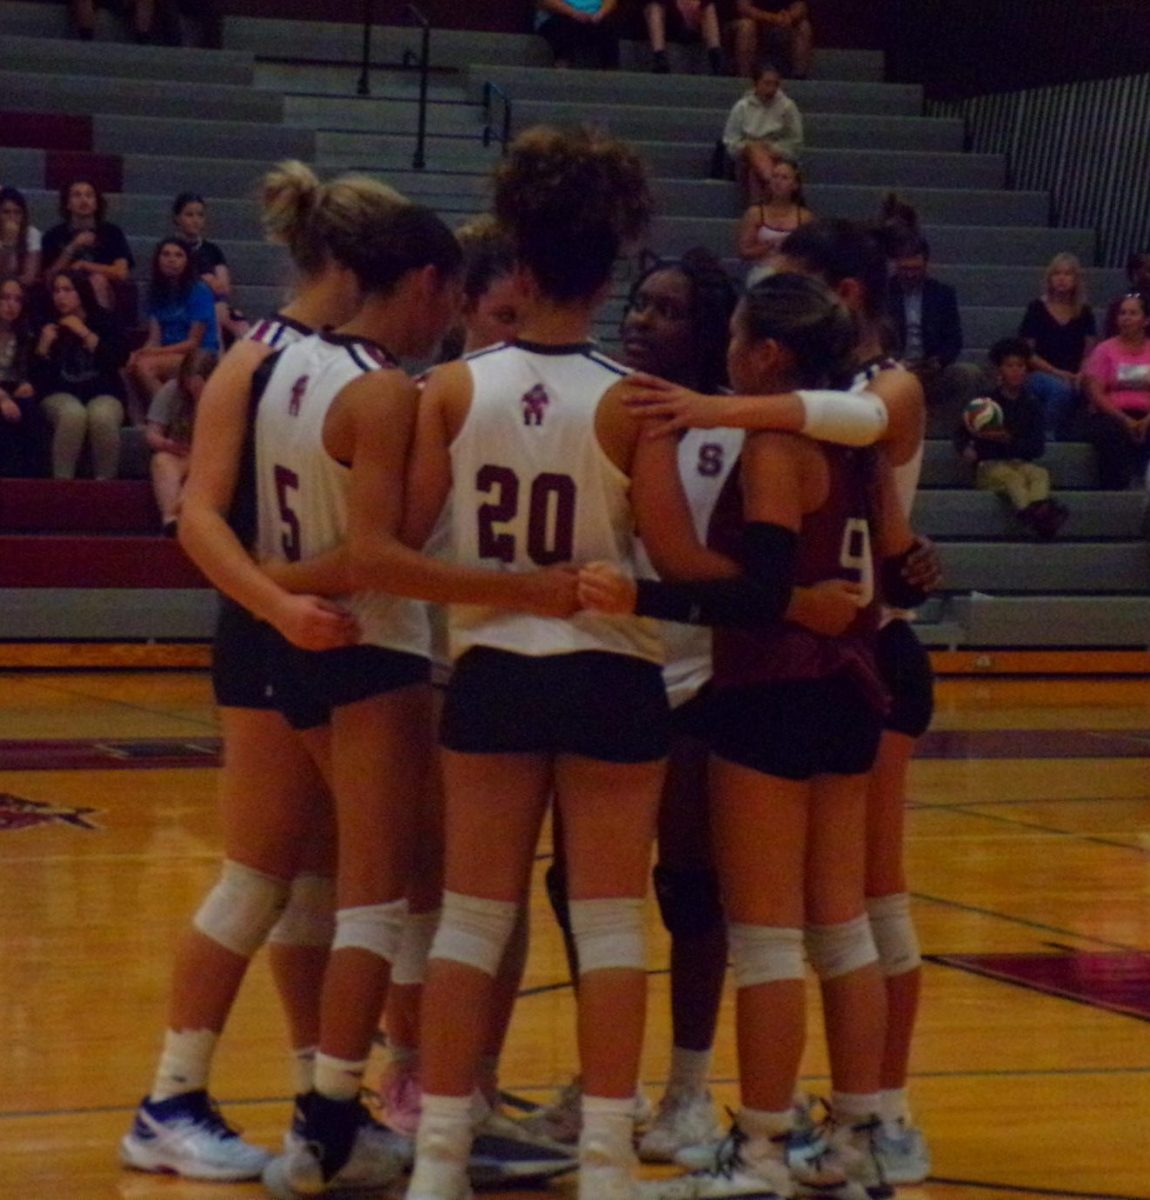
pixel 982 413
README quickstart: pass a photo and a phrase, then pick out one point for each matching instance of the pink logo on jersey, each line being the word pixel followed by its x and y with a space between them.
pixel 534 404
pixel 297 390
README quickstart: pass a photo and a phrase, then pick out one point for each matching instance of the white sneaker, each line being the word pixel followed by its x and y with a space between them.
pixel 729 1175
pixel 903 1156
pixel 186 1135
pixel 607 1169
pixel 504 1154
pixel 847 1168
pixel 683 1120
pixel 562 1121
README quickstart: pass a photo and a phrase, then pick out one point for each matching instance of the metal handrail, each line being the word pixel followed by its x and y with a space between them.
pixel 490 134
pixel 364 86
pixel 419 159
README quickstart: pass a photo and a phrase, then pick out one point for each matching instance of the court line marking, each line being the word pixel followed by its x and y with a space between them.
pixel 1027 986
pixel 202 722
pixel 969 810
pixel 952 805
pixel 1026 1190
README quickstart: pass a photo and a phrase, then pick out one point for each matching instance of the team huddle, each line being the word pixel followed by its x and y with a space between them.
pixel 666 598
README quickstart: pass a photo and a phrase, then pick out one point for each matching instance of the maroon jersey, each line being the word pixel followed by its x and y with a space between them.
pixel 834 542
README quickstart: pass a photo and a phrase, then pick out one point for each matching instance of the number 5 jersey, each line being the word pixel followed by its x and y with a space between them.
pixel 302 491
pixel 533 488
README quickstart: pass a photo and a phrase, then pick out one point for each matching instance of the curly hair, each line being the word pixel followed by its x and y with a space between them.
pixel 570 200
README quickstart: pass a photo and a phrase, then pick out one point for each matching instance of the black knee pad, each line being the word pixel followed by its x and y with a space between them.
pixel 689 900
pixel 905 668
pixel 555 880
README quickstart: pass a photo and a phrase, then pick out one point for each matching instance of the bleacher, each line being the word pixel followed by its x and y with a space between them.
pixel 156 121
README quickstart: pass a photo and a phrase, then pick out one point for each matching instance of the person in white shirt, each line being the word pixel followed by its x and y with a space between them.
pixel 762 127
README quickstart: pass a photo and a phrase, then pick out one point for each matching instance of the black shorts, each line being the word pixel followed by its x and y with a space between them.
pixel 796 728
pixel 905 668
pixel 611 707
pixel 239 659
pixel 308 684
pixel 693 718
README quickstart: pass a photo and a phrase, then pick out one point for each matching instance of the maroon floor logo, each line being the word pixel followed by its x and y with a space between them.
pixel 17 813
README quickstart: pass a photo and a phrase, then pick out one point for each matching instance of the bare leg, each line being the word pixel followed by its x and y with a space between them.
pixel 656 27
pixel 886 876
pixel 802 49
pixel 854 1003
pixel 609 814
pixel 746 41
pixel 168 474
pixel 760 828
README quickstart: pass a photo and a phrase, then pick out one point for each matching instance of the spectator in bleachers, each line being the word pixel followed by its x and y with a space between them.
pixel 171 416
pixel 763 126
pixel 699 17
pixel 76 368
pixel 1060 331
pixel 583 30
pixel 1138 280
pixel 189 213
pixel 181 317
pixel 1004 452
pixel 19 424
pixel 928 333
pixel 1117 378
pixel 85 242
pixel 141 12
pixel 780 29
pixel 767 224
pixel 19 239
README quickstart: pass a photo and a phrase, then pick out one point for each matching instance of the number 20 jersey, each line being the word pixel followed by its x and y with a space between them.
pixel 303 491
pixel 533 488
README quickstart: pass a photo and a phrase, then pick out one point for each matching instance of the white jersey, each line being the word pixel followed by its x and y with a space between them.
pixel 706 457
pixel 532 488
pixel 302 491
pixel 906 475
pixel 277 331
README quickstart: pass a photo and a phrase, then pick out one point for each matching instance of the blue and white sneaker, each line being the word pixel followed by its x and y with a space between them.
pixel 731 1174
pixel 847 1168
pixel 186 1135
pixel 504 1154
pixel 903 1154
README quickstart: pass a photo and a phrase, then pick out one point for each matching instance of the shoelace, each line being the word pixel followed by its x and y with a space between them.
pixel 728 1154
pixel 211 1119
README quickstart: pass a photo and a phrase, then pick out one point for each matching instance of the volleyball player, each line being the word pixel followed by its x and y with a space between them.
pixel 276 880
pixel 536 458
pixel 333 431
pixel 675 325
pixel 794 726
pixel 850 259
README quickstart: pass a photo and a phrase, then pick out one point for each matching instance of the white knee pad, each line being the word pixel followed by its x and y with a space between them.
pixel 765 954
pixel 894 934
pixel 474 931
pixel 836 950
pixel 415 948
pixel 376 928
pixel 240 911
pixel 309 918
pixel 609 933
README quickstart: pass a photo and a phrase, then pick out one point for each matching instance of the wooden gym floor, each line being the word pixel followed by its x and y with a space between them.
pixel 1030 859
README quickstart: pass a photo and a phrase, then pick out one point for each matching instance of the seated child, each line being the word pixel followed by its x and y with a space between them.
pixel 1005 448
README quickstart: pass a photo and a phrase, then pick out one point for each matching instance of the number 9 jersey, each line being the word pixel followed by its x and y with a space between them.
pixel 532 488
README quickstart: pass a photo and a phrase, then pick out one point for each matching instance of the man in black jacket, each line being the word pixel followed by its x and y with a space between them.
pixel 928 332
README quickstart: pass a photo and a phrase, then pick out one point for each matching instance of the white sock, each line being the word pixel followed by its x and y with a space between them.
pixel 849 1108
pixel 762 1125
pixel 338 1078
pixel 689 1070
pixel 894 1108
pixel 303 1068
pixel 184 1062
pixel 608 1132
pixel 442 1147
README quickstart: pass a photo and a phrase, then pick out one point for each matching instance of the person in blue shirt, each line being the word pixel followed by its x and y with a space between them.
pixel 181 317
pixel 580 29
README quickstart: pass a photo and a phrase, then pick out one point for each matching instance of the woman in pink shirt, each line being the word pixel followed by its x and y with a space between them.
pixel 1118 384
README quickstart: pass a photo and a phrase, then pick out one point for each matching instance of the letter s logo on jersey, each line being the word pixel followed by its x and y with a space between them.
pixel 710 459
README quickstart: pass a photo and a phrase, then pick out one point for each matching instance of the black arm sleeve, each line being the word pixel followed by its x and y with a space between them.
pixel 895 590
pixel 760 596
